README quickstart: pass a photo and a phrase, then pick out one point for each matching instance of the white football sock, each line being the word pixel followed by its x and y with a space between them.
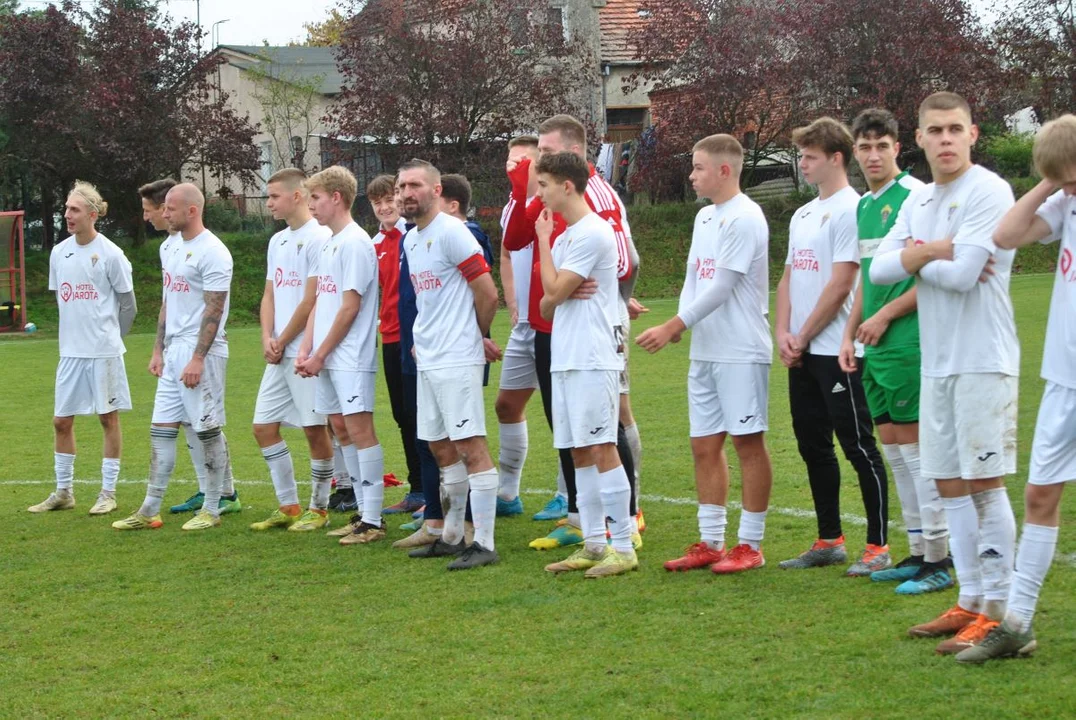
pixel 752 528
pixel 454 501
pixel 616 507
pixel 635 446
pixel 110 473
pixel 282 472
pixel 483 489
pixel 216 465
pixel 372 467
pixel 321 483
pixel 931 509
pixel 909 499
pixel 562 484
pixel 340 469
pixel 712 522
pixel 997 548
pixel 1033 558
pixel 162 442
pixel 194 446
pixel 964 541
pixel 510 459
pixel 588 498
pixel 227 489
pixel 64 465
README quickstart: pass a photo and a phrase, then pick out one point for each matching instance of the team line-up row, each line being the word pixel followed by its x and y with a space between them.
pixel 893 310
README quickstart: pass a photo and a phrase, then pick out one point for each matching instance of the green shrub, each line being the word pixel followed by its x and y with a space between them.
pixel 222 217
pixel 1010 154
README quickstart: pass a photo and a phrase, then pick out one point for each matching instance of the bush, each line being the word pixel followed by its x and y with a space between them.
pixel 1010 154
pixel 222 217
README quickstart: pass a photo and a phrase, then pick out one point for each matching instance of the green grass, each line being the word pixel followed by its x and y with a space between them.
pixel 231 624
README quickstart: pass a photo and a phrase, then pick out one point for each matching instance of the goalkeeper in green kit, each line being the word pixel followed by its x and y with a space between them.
pixel 884 320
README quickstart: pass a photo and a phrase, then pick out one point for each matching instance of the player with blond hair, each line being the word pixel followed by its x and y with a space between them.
pixel 95 293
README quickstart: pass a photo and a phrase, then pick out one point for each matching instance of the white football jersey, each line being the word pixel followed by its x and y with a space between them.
pixel 446 330
pixel 963 332
pixel 522 266
pixel 822 232
pixel 586 333
pixel 292 254
pixel 348 262
pixel 191 268
pixel 1059 354
pixel 731 236
pixel 87 279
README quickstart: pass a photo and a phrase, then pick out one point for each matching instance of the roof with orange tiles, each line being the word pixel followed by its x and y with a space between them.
pixel 618 18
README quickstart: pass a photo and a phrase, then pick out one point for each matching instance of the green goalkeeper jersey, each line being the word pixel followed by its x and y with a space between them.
pixel 874 217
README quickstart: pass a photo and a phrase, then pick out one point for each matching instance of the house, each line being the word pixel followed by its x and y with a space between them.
pixel 289 90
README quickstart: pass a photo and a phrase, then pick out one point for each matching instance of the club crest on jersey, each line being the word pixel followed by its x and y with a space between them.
pixel 298 247
pixel 886 212
pixel 952 210
pixel 189 255
pixel 824 219
pixel 93 260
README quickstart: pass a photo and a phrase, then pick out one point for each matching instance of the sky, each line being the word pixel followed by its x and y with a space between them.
pixel 249 22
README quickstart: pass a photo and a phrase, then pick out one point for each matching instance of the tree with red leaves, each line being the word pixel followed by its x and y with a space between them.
pixel 756 69
pixel 116 95
pixel 442 78
pixel 1038 41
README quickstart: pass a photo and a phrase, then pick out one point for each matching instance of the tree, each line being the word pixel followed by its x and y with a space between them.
pixel 758 68
pixel 1038 43
pixel 289 101
pixel 116 95
pixel 443 79
pixel 327 33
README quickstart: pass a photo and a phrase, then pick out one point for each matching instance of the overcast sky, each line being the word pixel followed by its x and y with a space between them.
pixel 249 22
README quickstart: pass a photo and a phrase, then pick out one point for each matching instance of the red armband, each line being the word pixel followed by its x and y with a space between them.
pixel 473 267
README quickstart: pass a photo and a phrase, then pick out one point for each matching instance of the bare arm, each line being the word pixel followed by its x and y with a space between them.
pixel 158 344
pixel 302 313
pixel 485 300
pixel 350 304
pixel 267 313
pixel 1021 226
pixel 834 295
pixel 211 317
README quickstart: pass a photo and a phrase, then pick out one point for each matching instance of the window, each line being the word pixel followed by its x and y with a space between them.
pixel 298 152
pixel 557 19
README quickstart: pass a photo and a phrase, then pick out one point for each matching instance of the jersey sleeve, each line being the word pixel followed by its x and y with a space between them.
pixel 357 268
pixel 53 281
pixel 687 292
pixel 1053 214
pixel 737 248
pixel 519 231
pixel 845 235
pixel 120 273
pixel 463 251
pixel 791 235
pixel 217 270
pixel 985 210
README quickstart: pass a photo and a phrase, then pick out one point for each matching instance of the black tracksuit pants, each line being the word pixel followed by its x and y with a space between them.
pixel 826 400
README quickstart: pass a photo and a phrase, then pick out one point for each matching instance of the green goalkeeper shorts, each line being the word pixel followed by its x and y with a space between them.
pixel 891 383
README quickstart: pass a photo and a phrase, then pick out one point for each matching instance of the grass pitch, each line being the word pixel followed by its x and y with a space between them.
pixel 230 623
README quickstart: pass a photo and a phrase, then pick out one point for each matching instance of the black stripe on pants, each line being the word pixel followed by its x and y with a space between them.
pixel 826 400
pixel 542 361
pixel 406 421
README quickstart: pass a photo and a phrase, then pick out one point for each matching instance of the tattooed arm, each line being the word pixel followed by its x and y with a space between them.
pixel 156 362
pixel 207 333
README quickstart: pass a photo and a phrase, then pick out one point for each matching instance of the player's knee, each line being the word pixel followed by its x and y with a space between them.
pixel 63 425
pixel 749 445
pixel 1042 503
pixel 265 434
